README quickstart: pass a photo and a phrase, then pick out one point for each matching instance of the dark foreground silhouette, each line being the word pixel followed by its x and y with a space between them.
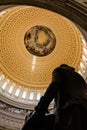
pixel 68 89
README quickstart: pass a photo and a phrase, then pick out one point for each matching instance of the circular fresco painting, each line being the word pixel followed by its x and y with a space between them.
pixel 40 40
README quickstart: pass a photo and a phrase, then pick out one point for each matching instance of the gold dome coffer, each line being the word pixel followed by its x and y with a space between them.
pixel 40 40
pixel 31 70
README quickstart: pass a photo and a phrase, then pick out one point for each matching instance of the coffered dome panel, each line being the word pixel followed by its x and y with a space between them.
pixel 27 68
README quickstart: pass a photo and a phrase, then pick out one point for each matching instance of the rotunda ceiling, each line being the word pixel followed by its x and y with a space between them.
pixel 33 41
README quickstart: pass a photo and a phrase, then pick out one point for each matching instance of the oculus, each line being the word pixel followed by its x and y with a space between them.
pixel 39 40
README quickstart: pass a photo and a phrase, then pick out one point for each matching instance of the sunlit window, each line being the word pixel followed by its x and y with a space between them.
pixel 17 92
pixel 11 89
pixel 24 94
pixel 84 58
pixel 85 50
pixel 1 77
pixel 80 72
pixel 38 96
pixel 3 12
pixel 31 96
pixel 82 66
pixel 5 84
pixel 83 40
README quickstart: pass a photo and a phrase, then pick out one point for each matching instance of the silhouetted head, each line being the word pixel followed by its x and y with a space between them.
pixel 55 73
pixel 62 66
pixel 66 66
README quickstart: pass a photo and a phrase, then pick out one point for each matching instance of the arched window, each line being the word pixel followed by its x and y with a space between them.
pixel 80 72
pixel 11 89
pixel 17 92
pixel 83 40
pixel 4 85
pixel 3 12
pixel 24 94
pixel 1 77
pixel 85 50
pixel 84 58
pixel 81 65
pixel 31 95
pixel 38 96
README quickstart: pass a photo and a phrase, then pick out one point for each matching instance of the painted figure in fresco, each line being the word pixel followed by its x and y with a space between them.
pixel 68 89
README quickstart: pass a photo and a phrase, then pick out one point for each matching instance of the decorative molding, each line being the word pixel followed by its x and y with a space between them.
pixel 69 8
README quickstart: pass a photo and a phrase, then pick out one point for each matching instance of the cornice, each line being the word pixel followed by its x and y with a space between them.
pixel 21 105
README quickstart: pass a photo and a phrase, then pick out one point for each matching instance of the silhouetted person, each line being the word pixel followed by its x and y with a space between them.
pixel 68 88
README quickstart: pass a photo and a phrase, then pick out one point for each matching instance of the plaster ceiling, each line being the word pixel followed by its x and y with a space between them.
pixel 28 69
